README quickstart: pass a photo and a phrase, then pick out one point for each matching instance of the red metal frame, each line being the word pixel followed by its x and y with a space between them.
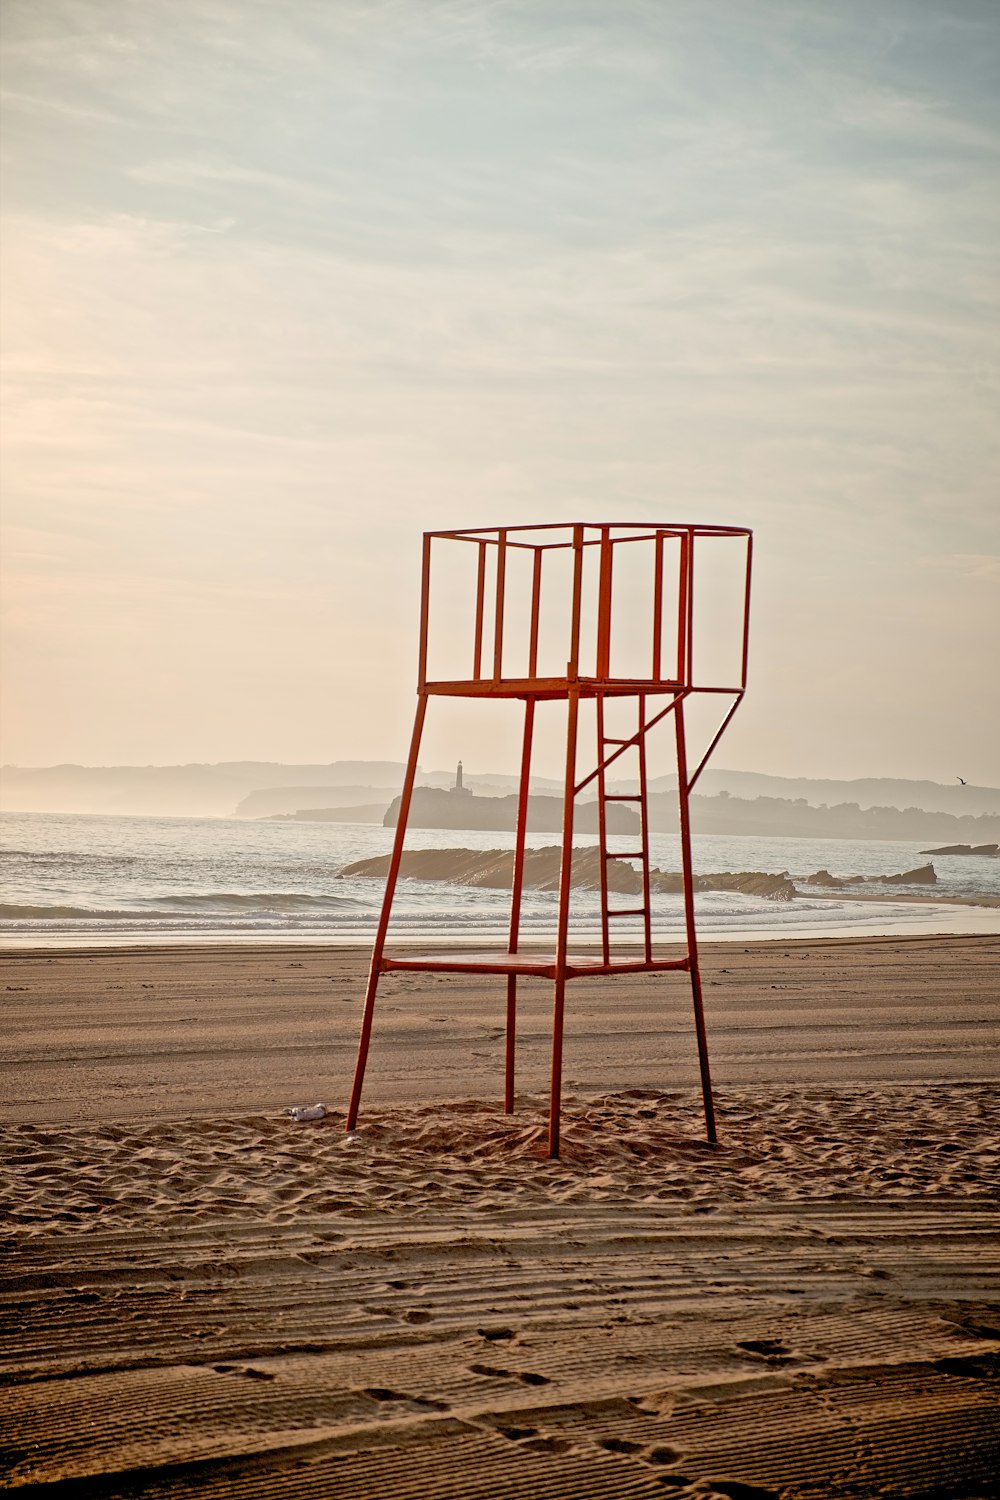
pixel 573 687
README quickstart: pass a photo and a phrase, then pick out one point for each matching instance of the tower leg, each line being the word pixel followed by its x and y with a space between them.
pixel 517 887
pixel 383 925
pixel 555 1098
pixel 562 937
pixel 508 1077
pixel 683 797
pixel 711 1134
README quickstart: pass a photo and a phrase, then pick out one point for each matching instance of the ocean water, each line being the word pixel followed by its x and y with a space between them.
pixel 87 879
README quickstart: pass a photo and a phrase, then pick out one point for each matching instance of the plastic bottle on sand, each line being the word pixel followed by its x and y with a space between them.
pixel 302 1112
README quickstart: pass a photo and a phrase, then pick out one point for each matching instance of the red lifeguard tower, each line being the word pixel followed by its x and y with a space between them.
pixel 583 614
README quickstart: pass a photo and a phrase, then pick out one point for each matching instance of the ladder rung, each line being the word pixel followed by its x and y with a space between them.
pixel 612 797
pixel 636 855
pixel 606 740
pixel 637 911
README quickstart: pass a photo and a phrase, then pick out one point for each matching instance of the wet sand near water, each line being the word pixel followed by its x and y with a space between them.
pixel 203 1298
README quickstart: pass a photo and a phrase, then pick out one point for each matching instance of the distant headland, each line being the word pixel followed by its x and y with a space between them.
pixel 457 807
pixel 361 791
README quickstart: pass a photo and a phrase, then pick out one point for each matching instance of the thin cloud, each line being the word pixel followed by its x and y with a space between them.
pixel 977 565
pixel 296 282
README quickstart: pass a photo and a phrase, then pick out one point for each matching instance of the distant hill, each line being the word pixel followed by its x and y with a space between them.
pixel 188 791
pixel 777 817
pixel 285 801
pixel 869 791
pixel 368 812
pixel 243 788
pixel 762 817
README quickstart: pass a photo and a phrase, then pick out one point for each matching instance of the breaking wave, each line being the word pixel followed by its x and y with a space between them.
pixel 213 903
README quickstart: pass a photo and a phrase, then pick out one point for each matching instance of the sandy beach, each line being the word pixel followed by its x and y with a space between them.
pixel 201 1297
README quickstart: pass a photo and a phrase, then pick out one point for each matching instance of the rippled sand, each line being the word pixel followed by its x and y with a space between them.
pixel 201 1297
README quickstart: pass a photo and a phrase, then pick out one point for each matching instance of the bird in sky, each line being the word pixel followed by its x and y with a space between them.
pixel 961 779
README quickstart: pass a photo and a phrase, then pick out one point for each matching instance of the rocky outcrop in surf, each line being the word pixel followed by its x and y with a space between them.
pixel 923 875
pixel 494 868
pixel 747 882
pixel 980 851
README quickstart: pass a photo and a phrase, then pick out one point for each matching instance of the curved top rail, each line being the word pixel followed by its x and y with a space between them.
pixel 493 534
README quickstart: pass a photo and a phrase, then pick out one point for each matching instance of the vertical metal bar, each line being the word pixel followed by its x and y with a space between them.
pixel 682 609
pixel 522 825
pixel 477 656
pixel 383 924
pixel 425 608
pixel 562 936
pixel 517 887
pixel 657 604
pixel 509 1046
pixel 573 665
pixel 746 613
pixel 644 819
pixel 604 605
pixel 602 830
pixel 536 598
pixel 498 621
pixel 555 1097
pixel 684 585
pixel 683 793
pixel 690 610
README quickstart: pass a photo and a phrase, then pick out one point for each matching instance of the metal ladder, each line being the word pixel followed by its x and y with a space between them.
pixel 616 747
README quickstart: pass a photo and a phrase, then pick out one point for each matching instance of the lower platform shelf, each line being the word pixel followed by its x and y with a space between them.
pixel 536 963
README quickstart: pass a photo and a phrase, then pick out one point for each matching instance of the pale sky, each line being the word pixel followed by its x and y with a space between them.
pixel 287 284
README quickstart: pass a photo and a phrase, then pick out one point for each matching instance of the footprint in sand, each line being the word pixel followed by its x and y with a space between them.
pixel 528 1377
pixel 773 1350
pixel 548 1445
pixel 246 1370
pixel 382 1393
